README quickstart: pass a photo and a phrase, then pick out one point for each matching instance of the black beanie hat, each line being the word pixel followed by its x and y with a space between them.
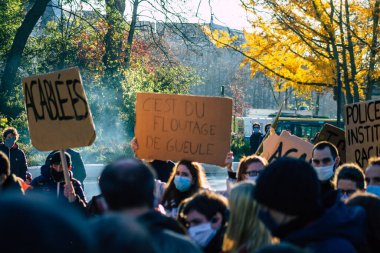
pixel 56 158
pixel 290 186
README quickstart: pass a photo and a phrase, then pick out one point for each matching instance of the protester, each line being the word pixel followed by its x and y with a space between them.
pixel 267 128
pixel 372 176
pixel 206 215
pixel 245 232
pixel 128 187
pixel 371 204
pixel 186 179
pixel 16 156
pixel 97 205
pixel 249 169
pixel 53 181
pixel 8 181
pixel 77 168
pixel 325 159
pixel 32 224
pixel 256 138
pixel 288 191
pixel 118 233
pixel 348 179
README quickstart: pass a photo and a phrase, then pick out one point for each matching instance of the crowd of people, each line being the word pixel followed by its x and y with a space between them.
pixel 288 205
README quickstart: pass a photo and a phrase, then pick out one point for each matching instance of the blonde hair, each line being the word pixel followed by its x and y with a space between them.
pixel 244 227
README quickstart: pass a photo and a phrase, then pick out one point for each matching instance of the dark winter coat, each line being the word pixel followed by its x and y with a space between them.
pixel 255 141
pixel 340 229
pixel 17 160
pixel 46 183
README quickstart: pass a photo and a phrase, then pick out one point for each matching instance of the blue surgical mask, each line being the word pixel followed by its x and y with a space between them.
pixel 182 183
pixel 202 234
pixel 9 142
pixel 374 189
pixel 268 221
pixel 255 130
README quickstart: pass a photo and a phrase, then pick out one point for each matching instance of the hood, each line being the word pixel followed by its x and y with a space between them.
pixel 45 171
pixel 339 221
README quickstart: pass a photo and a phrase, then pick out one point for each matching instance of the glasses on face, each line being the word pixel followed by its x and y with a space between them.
pixel 347 192
pixel 322 161
pixel 252 173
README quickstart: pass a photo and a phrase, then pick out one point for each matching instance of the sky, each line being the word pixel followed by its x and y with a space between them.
pixel 226 12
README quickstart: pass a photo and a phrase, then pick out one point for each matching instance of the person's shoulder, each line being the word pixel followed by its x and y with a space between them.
pixel 40 180
pixel 76 182
pixel 334 244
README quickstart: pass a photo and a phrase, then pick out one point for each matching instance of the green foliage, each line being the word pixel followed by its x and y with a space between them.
pixel 239 146
pixel 10 19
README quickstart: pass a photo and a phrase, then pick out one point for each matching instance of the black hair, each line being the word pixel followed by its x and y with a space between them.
pixel 127 183
pixel 208 204
pixel 325 144
pixel 351 171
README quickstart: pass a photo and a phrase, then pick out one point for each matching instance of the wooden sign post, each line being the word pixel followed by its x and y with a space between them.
pixel 177 127
pixel 58 113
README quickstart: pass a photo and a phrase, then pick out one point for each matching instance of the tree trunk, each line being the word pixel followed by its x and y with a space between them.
pixel 373 51
pixel 351 53
pixel 15 53
pixel 131 33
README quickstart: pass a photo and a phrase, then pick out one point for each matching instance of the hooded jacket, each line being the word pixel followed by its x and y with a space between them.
pixel 340 229
pixel 17 160
pixel 46 183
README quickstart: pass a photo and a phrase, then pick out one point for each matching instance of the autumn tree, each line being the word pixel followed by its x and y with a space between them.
pixel 313 45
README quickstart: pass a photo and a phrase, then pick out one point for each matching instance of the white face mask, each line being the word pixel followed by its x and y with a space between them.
pixel 202 233
pixel 374 189
pixel 325 173
pixel 253 179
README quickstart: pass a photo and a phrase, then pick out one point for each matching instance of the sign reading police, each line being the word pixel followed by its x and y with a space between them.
pixel 362 131
pixel 58 113
pixel 176 127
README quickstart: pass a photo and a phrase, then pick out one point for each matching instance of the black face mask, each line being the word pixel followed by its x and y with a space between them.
pixel 57 176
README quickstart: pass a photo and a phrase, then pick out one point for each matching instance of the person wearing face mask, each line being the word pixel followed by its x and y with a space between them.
pixel 53 182
pixel 206 215
pixel 186 179
pixel 249 169
pixel 348 179
pixel 372 176
pixel 288 192
pixel 256 138
pixel 325 159
pixel 15 155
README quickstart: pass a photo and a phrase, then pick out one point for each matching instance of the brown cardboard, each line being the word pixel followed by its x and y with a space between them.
pixel 362 123
pixel 59 116
pixel 286 144
pixel 336 136
pixel 177 127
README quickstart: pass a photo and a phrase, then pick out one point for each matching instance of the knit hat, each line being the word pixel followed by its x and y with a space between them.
pixel 290 186
pixel 56 158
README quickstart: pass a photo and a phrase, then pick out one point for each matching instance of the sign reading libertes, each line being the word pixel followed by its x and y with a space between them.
pixel 362 131
pixel 177 127
pixel 58 113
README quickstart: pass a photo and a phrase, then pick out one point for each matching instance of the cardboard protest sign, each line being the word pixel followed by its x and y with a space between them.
pixel 176 127
pixel 286 144
pixel 362 131
pixel 336 136
pixel 58 113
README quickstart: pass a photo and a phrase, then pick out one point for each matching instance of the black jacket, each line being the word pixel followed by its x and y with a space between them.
pixel 255 141
pixel 46 183
pixel 17 160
